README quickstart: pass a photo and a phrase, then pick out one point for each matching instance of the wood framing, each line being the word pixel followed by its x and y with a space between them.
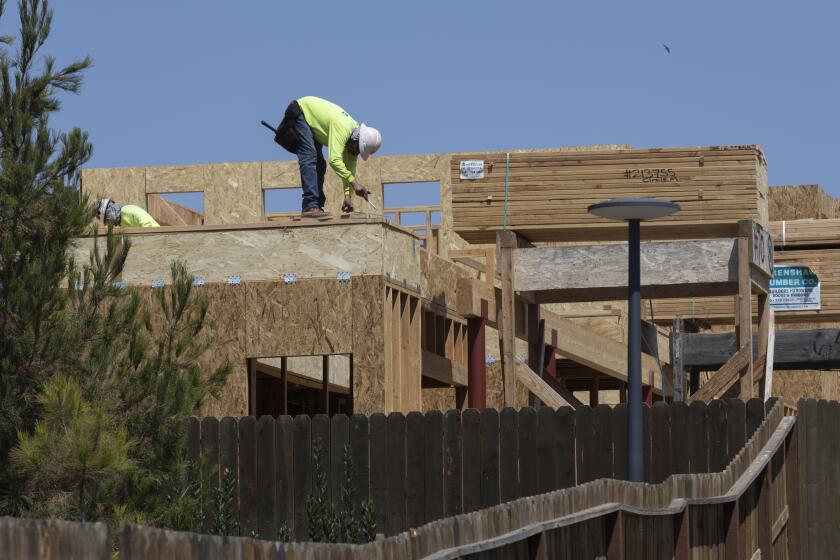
pixel 793 349
pixel 506 242
pixel 601 353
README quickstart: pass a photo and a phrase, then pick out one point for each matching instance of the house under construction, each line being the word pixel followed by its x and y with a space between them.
pixel 504 292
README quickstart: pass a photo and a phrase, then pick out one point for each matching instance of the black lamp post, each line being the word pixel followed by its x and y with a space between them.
pixel 633 211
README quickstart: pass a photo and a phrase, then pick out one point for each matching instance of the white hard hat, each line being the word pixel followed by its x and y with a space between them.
pixel 103 205
pixel 369 141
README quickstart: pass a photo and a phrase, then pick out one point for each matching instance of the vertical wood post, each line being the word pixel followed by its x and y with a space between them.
pixel 477 366
pixel 743 314
pixel 284 387
pixel 551 355
pixel 594 390
pixel 252 386
pixel 766 342
pixel 677 360
pixel 647 394
pixel 535 344
pixel 325 384
pixel 506 242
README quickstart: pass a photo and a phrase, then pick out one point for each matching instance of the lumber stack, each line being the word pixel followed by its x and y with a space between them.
pixel 548 192
pixel 805 233
pixel 824 262
pixel 798 202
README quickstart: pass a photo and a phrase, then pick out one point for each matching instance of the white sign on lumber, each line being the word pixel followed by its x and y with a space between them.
pixel 472 169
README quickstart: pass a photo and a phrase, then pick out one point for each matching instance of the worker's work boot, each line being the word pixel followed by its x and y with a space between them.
pixel 315 212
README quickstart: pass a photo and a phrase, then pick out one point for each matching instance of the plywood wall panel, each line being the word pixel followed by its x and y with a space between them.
pixel 225 333
pixel 126 185
pixel 401 260
pixel 368 339
pixel 232 193
pixel 256 254
pixel 307 317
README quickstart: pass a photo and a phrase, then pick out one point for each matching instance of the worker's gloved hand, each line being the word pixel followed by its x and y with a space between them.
pixel 359 189
pixel 347 206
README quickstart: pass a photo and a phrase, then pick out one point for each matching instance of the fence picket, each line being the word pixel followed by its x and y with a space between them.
pixel 452 502
pixel 415 470
pixel 583 444
pixel 528 476
pixel 285 456
pixel 359 448
pixel 339 437
pixel 266 477
pixel 471 459
pixel 396 473
pixel 602 444
pixel 546 450
pixel 248 475
pixel 508 455
pixel 433 460
pixel 489 458
pixel 660 439
pixel 302 473
pixel 379 467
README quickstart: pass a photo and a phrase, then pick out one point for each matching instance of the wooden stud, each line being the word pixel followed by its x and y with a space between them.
pixel 594 389
pixel 506 242
pixel 252 386
pixel 325 385
pixel 744 315
pixel 284 386
pixel 535 342
pixel 477 367
pixel 677 360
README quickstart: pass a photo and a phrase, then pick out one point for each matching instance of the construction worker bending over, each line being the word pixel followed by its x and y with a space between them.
pixel 311 123
pixel 111 212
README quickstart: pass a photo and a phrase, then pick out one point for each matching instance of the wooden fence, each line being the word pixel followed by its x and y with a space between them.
pixel 419 468
pixel 819 477
pixel 29 539
pixel 747 510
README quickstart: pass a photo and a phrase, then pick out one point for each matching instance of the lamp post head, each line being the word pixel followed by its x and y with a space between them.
pixel 634 208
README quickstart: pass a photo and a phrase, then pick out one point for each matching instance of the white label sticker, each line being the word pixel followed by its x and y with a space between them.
pixel 472 169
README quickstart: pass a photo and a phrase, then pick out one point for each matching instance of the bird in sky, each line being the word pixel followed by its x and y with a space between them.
pixel 667 48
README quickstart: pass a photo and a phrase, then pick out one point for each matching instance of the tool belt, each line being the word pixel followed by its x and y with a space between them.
pixel 286 135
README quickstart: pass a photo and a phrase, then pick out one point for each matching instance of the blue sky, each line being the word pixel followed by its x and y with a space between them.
pixel 188 82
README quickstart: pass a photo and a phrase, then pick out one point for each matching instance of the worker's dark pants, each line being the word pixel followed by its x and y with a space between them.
pixel 313 166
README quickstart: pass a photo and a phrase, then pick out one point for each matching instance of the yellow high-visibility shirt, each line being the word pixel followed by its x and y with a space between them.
pixel 134 216
pixel 332 127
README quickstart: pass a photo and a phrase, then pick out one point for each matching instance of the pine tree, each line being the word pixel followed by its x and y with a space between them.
pixel 71 453
pixel 132 361
pixel 40 213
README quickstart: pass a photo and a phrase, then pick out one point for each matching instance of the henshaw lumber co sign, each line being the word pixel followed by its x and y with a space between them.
pixel 794 287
